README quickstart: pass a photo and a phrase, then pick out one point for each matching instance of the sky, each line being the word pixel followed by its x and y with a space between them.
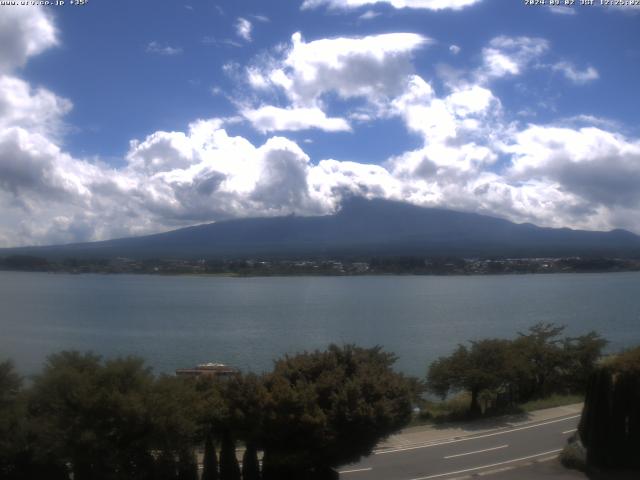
pixel 122 118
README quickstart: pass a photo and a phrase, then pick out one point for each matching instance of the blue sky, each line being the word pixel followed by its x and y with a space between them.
pixel 122 118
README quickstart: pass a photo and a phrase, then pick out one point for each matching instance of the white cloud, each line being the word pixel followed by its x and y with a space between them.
pixel 37 110
pixel 162 49
pixel 507 56
pixel 243 28
pixel 601 167
pixel 470 158
pixel 24 32
pixel 454 49
pixel 464 111
pixel 421 4
pixel 579 77
pixel 371 67
pixel 369 15
pixel 563 10
pixel 331 180
pixel 270 118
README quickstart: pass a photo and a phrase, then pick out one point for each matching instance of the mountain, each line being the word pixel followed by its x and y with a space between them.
pixel 361 228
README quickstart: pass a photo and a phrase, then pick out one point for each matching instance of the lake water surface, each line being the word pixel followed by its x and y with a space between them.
pixel 178 321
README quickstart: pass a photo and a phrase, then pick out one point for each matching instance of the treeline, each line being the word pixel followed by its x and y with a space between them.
pixel 84 417
pixel 500 373
pixel 88 418
pixel 394 265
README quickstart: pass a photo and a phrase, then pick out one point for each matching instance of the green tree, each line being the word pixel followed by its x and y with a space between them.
pixel 328 408
pixel 246 397
pixel 542 359
pixel 93 415
pixel 173 408
pixel 483 366
pixel 250 464
pixel 610 423
pixel 581 356
pixel 187 464
pixel 210 459
pixel 229 468
pixel 13 428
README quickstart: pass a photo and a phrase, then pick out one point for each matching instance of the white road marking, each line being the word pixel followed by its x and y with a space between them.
pixel 477 451
pixel 356 470
pixel 570 431
pixel 488 466
pixel 466 439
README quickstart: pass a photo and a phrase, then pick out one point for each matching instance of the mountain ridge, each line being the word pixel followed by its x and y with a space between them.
pixel 360 228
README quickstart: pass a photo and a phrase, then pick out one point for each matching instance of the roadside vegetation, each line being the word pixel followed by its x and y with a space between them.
pixel 608 436
pixel 540 368
pixel 84 417
pixel 88 418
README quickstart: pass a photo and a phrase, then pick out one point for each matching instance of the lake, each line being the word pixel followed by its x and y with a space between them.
pixel 179 321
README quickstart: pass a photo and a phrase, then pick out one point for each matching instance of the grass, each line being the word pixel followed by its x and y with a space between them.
pixel 456 408
pixel 551 401
pixel 453 409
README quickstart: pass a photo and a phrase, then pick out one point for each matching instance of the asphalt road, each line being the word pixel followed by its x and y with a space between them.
pixel 466 456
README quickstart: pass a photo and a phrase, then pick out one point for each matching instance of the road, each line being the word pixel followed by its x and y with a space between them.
pixel 486 452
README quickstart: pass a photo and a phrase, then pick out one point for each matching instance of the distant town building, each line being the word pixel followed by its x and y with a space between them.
pixel 218 370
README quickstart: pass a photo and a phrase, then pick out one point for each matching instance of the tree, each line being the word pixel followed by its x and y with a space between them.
pixel 210 460
pixel 484 366
pixel 250 464
pixel 93 415
pixel 542 358
pixel 246 397
pixel 173 408
pixel 229 468
pixel 187 464
pixel 610 423
pixel 12 422
pixel 582 354
pixel 328 408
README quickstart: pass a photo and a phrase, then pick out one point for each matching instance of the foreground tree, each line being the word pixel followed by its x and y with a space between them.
pixel 483 366
pixel 12 422
pixel 229 468
pixel 610 423
pixel 581 358
pixel 328 408
pixel 93 415
pixel 246 397
pixel 210 459
pixel 541 360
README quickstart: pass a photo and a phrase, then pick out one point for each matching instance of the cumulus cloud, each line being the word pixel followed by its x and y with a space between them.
pixel 372 67
pixel 24 32
pixel 470 158
pixel 270 118
pixel 37 110
pixel 510 56
pixel 575 75
pixel 421 4
pixel 601 167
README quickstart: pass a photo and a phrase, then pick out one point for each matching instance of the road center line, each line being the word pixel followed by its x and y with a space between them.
pixel 467 439
pixel 570 431
pixel 488 466
pixel 356 470
pixel 477 451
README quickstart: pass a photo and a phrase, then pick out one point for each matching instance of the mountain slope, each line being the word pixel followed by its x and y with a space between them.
pixel 361 228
